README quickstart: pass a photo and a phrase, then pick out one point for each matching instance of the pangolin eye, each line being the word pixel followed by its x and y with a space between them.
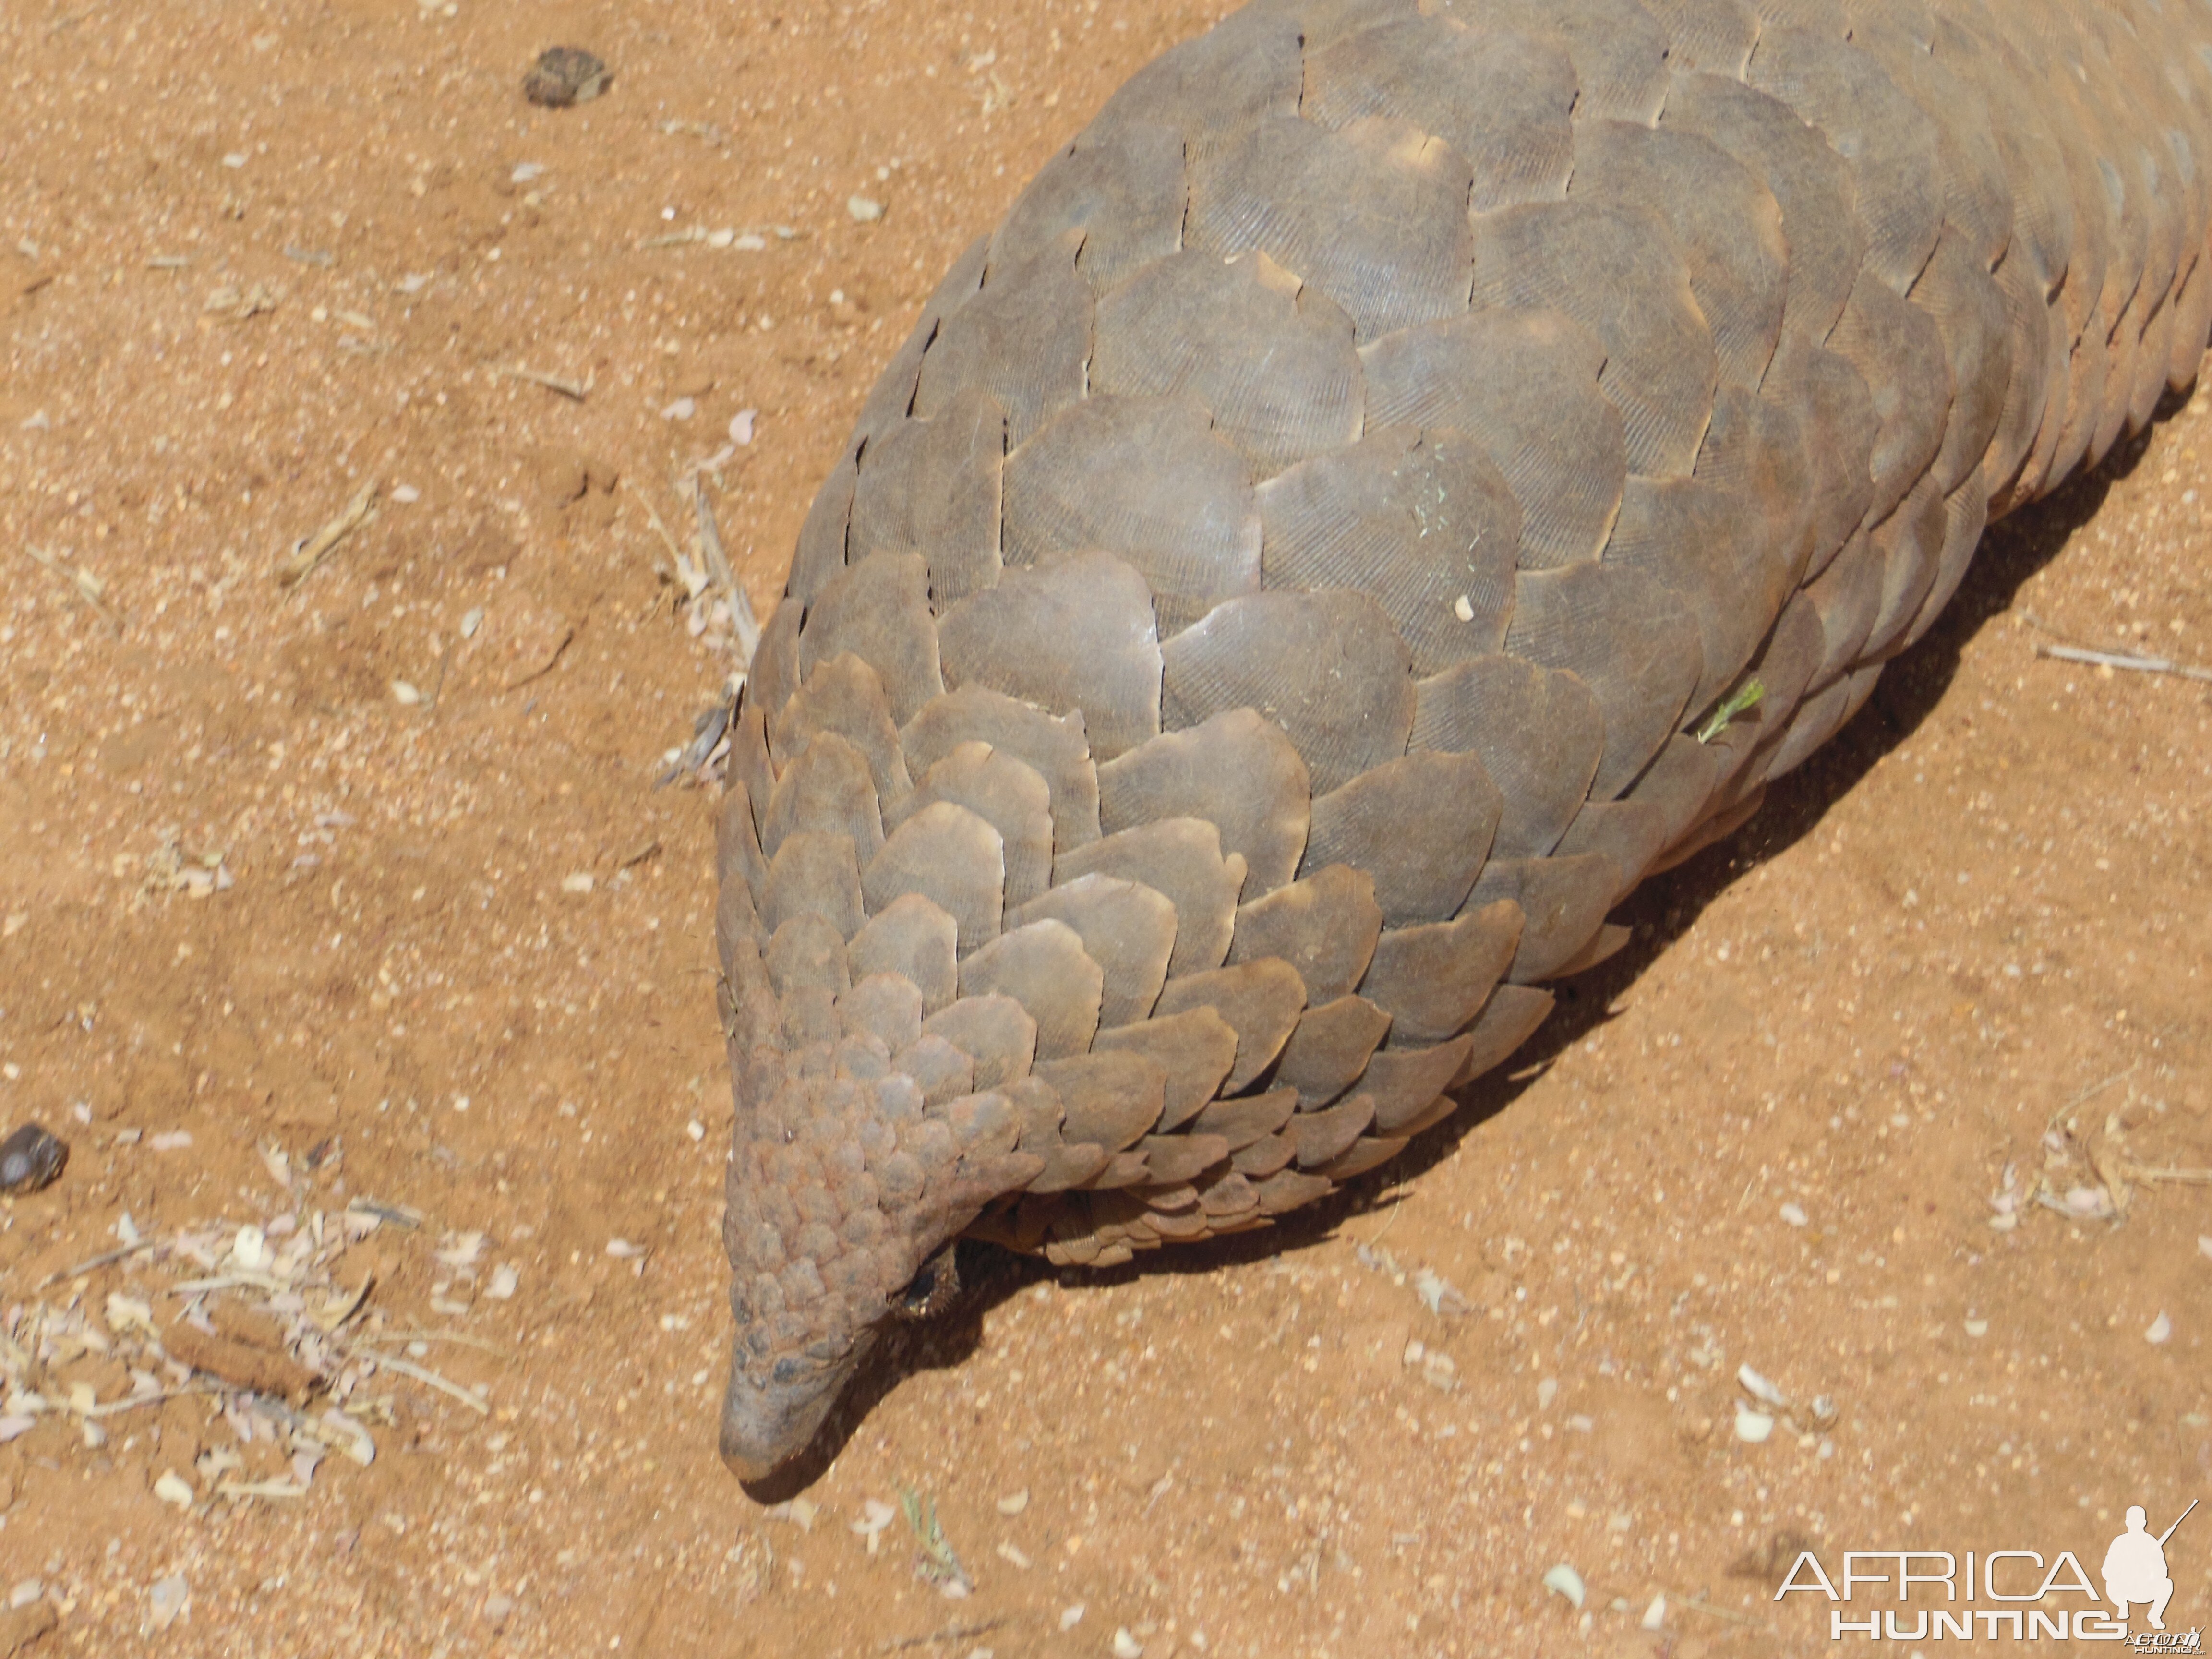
pixel 932 1288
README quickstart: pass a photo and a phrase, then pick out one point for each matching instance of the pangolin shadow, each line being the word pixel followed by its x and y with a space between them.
pixel 1659 912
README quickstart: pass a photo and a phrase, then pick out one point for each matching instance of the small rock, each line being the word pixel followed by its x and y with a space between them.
pixel 2161 1329
pixel 1127 1646
pixel 2088 1203
pixel 504 1280
pixel 1014 1502
pixel 1070 1617
pixel 1759 1388
pixel 250 1249
pixel 875 1515
pixel 564 76
pixel 1564 1580
pixel 167 1601
pixel 31 1159
pixel 29 1591
pixel 1795 1215
pixel 1752 1427
pixel 1439 1295
pixel 864 210
pixel 173 1488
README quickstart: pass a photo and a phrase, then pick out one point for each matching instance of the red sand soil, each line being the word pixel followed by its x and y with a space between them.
pixel 1984 902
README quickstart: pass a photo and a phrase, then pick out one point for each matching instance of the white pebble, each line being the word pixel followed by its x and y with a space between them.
pixel 581 882
pixel 695 1129
pixel 1759 1388
pixel 1014 1502
pixel 1463 608
pixel 623 1250
pixel 682 410
pixel 505 1278
pixel 1752 1427
pixel 26 1592
pixel 2161 1329
pixel 235 160
pixel 749 243
pixel 875 1515
pixel 171 1489
pixel 1564 1580
pixel 250 1249
pixel 741 426
pixel 173 1141
pixel 1127 1646
pixel 1655 1616
pixel 1546 1392
pixel 2089 1202
pixel 1978 1328
pixel 471 620
pixel 721 238
pixel 2204 1245
pixel 406 495
pixel 1070 1617
pixel 1415 1352
pixel 404 693
pixel 1795 1215
pixel 864 210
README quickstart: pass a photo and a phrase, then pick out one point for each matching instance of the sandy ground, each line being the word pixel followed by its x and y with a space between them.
pixel 336 931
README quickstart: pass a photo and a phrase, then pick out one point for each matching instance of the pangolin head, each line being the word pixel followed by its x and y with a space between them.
pixel 846 1188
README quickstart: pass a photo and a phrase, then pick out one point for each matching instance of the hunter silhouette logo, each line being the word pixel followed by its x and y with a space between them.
pixel 2135 1567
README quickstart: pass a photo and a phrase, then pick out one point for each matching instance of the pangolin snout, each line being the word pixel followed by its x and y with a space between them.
pixel 766 1425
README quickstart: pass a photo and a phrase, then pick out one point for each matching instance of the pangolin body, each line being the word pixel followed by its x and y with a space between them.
pixel 1309 562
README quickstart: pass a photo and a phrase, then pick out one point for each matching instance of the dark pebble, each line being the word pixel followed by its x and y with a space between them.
pixel 564 76
pixel 31 1159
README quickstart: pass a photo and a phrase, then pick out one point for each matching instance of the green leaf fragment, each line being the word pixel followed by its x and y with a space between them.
pixel 1746 695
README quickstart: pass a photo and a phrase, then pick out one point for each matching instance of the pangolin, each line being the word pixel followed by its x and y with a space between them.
pixel 1407 471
